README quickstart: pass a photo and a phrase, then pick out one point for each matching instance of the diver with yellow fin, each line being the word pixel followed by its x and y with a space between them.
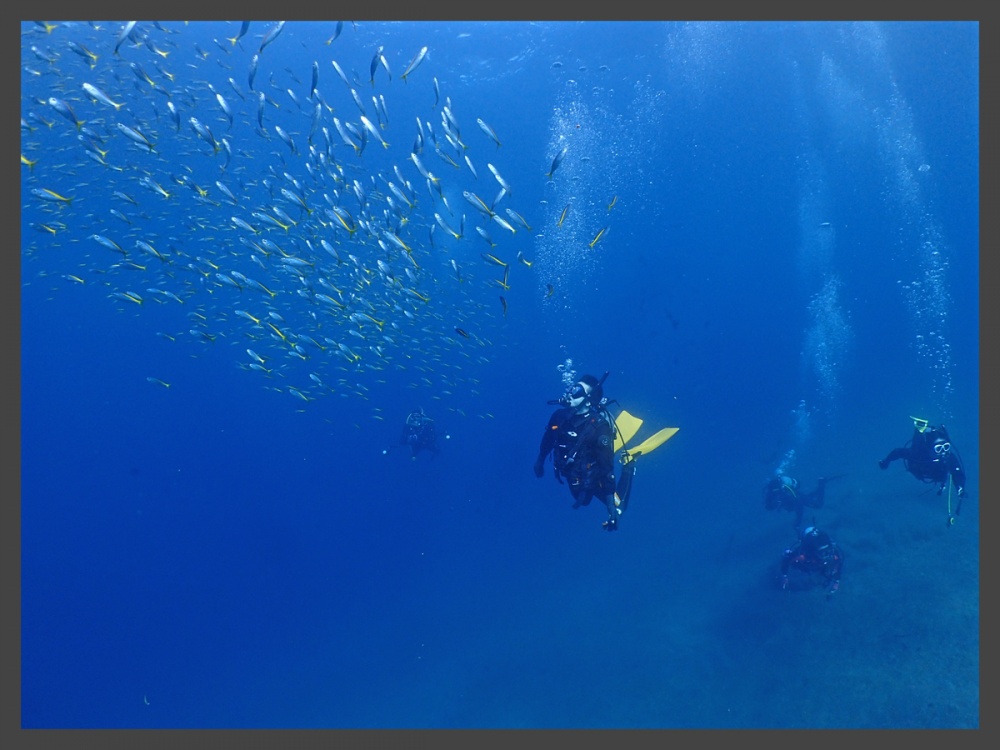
pixel 583 439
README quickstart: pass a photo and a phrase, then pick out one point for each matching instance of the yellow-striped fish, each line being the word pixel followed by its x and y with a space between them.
pixel 562 216
pixel 598 237
pixel 493 259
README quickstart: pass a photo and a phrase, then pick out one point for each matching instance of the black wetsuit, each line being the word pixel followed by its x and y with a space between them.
pixel 922 462
pixel 781 495
pixel 419 434
pixel 582 447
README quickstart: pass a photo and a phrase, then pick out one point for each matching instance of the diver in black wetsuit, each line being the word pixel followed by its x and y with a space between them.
pixel 419 433
pixel 930 457
pixel 581 438
pixel 782 493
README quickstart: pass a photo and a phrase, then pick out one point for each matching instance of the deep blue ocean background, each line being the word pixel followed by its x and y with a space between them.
pixel 790 271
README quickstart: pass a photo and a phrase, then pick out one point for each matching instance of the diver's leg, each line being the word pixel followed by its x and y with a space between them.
pixel 624 488
pixel 614 512
pixel 815 498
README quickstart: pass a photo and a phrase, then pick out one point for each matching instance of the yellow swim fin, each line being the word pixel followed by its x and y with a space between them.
pixel 628 425
pixel 652 443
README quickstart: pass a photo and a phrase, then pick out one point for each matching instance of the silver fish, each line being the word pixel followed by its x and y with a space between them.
pixel 100 96
pixel 417 59
pixel 125 32
pixel 271 36
pixel 489 131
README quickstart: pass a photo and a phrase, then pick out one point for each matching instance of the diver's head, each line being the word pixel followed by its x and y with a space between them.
pixel 813 538
pixel 775 487
pixel 941 448
pixel 587 392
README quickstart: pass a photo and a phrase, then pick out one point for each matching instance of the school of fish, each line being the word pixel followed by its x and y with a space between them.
pixel 253 201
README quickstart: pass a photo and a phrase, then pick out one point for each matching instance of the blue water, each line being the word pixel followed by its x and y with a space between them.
pixel 790 271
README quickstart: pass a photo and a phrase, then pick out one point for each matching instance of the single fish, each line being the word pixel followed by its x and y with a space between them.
pixel 557 161
pixel 417 59
pixel 489 131
pixel 98 95
pixel 270 36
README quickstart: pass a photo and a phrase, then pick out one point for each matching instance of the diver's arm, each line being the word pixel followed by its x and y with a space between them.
pixel 786 563
pixel 548 437
pixel 547 444
pixel 897 453
pixel 833 570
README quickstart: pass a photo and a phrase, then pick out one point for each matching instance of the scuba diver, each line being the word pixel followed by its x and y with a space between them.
pixel 930 457
pixel 583 438
pixel 419 433
pixel 782 493
pixel 815 552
